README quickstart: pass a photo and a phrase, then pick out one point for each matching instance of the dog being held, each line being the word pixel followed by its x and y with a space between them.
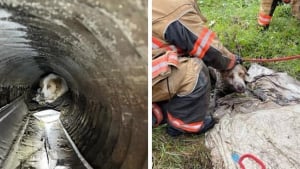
pixel 228 81
pixel 51 87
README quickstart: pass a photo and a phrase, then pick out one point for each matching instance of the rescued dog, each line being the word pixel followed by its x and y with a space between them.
pixel 229 81
pixel 51 87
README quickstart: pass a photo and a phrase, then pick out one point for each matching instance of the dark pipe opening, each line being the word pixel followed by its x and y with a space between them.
pixel 100 49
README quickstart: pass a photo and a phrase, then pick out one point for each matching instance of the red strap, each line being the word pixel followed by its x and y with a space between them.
pixel 278 59
pixel 257 160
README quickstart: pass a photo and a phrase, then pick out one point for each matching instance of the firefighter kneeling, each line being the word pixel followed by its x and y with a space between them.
pixel 182 98
pixel 182 48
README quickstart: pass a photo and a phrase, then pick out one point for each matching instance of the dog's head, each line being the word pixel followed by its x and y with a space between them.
pixel 51 87
pixel 235 78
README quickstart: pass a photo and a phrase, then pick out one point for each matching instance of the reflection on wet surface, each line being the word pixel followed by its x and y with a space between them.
pixel 39 145
pixel 43 146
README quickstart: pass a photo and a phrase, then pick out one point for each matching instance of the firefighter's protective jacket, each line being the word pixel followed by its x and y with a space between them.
pixel 179 32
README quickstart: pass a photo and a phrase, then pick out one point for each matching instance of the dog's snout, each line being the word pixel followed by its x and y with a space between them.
pixel 241 88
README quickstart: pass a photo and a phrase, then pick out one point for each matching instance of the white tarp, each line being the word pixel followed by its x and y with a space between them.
pixel 264 123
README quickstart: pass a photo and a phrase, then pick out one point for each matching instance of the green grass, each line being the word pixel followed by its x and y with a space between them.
pixel 235 23
pixel 183 152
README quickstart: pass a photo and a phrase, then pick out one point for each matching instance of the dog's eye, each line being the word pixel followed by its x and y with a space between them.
pixel 48 86
pixel 231 76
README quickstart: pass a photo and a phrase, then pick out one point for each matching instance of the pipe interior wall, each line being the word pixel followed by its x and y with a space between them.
pixel 100 49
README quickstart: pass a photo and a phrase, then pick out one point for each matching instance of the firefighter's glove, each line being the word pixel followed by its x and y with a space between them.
pixel 238 59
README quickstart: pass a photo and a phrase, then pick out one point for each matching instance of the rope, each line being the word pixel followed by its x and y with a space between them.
pixel 272 59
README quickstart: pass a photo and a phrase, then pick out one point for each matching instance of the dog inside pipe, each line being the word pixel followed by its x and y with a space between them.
pixel 52 87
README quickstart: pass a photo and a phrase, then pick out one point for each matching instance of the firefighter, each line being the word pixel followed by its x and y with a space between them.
pixel 267 8
pixel 182 48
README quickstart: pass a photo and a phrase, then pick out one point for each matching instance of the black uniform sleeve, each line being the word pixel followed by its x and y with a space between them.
pixel 177 34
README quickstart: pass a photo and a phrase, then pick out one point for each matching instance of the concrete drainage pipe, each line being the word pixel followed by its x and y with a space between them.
pixel 100 49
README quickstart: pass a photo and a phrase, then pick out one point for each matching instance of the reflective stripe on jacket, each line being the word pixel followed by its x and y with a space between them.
pixel 161 64
pixel 267 9
pixel 179 124
pixel 180 23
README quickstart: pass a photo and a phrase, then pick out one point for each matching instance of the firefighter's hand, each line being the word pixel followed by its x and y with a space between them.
pixel 238 59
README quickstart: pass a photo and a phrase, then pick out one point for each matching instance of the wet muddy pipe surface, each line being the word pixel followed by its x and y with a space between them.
pixel 100 48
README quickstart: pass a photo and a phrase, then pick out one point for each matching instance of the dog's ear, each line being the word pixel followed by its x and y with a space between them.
pixel 58 84
pixel 225 73
pixel 247 78
pixel 212 74
pixel 246 74
pixel 245 70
